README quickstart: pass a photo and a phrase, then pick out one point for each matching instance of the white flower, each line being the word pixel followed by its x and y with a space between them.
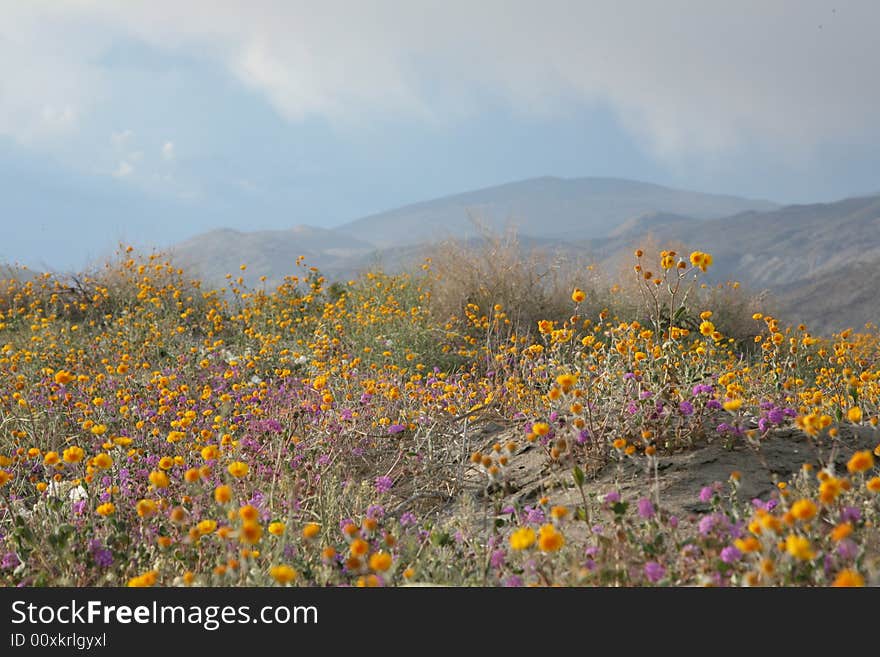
pixel 77 494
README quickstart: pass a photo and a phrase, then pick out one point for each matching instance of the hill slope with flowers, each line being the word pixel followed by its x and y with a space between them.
pixel 427 427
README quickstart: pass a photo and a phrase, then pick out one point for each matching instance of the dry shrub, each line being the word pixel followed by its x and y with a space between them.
pixel 530 283
pixel 732 306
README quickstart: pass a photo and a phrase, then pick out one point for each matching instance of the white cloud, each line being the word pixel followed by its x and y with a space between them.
pixel 683 77
pixel 124 170
pixel 168 151
pixel 120 139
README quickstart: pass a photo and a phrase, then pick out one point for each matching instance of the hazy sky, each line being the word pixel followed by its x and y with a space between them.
pixel 153 121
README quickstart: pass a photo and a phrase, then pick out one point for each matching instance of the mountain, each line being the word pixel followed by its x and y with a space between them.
pixel 575 208
pixel 269 253
pixel 654 222
pixel 819 261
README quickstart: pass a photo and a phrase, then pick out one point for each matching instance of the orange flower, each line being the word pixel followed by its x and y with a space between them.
pixel 848 578
pixel 380 561
pixel 799 547
pixel 803 510
pixel 522 538
pixel 829 490
pixel 282 574
pixel 559 513
pixel 861 462
pixel 159 479
pixel 238 469
pixel 249 513
pixel 748 544
pixel 146 580
pixel 63 377
pixel 550 539
pixel 841 531
pixel 146 508
pixel 222 494
pixel 250 532
pixel 206 527
pixel 74 454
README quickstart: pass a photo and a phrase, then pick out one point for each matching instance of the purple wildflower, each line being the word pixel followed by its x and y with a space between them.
pixel 847 549
pixel 384 484
pixel 707 524
pixel 654 571
pixel 646 509
pixel 686 408
pixel 102 556
pixel 730 554
pixel 535 516
pixel 375 511
pixel 850 514
pixel 10 560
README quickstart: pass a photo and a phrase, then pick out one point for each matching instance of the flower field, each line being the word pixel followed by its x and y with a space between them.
pixel 157 433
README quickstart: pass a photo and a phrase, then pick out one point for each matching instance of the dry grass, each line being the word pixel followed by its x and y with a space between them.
pixel 530 284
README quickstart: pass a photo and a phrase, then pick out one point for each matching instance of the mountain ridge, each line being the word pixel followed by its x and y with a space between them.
pixel 800 253
pixel 558 207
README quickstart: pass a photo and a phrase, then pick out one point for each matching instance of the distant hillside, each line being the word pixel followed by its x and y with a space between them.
pixel 577 208
pixel 270 253
pixel 657 222
pixel 818 261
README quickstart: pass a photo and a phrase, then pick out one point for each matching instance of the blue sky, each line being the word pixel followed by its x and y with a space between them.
pixel 151 122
